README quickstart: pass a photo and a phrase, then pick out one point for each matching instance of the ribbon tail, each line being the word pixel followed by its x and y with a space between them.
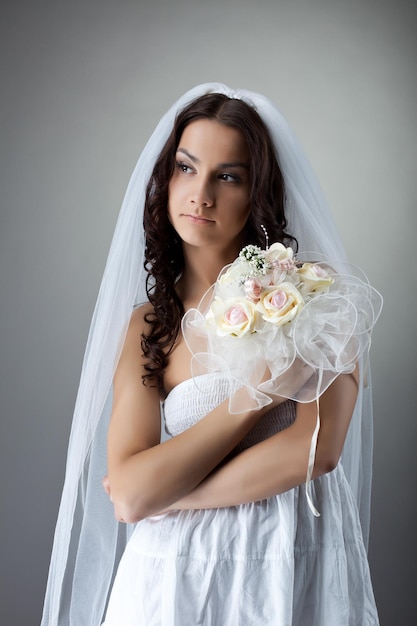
pixel 366 366
pixel 312 454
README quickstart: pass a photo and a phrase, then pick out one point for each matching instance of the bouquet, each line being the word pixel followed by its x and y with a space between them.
pixel 279 324
pixel 262 290
pixel 274 324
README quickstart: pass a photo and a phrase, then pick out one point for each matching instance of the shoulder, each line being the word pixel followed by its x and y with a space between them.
pixel 138 324
pixel 140 315
pixel 131 357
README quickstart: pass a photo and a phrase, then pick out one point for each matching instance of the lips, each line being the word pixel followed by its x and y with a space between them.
pixel 198 219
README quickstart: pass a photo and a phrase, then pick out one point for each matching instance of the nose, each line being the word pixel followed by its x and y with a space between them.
pixel 202 194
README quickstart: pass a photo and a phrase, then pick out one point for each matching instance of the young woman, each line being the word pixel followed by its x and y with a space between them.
pixel 224 533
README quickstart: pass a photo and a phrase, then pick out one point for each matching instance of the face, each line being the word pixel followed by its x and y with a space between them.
pixel 208 201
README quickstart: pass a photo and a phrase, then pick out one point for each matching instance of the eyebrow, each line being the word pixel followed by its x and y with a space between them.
pixel 197 161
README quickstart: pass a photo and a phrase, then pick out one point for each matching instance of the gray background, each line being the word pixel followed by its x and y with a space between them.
pixel 83 84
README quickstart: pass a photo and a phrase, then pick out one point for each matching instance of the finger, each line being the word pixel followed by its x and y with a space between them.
pixel 106 485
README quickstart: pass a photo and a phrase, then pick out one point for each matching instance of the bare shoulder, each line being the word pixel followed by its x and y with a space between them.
pixel 137 326
pixel 138 320
pixel 131 363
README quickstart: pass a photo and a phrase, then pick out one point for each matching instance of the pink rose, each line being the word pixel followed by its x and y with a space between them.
pixel 287 264
pixel 235 315
pixel 280 305
pixel 253 289
pixel 279 299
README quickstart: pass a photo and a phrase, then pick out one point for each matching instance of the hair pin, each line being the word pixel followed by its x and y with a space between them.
pixel 266 237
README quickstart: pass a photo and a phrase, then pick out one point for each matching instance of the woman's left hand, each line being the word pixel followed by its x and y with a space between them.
pixel 106 486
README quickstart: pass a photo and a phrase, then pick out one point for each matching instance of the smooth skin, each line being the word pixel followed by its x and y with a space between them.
pixel 209 203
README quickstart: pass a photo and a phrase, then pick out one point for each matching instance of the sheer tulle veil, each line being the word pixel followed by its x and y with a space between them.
pixel 88 541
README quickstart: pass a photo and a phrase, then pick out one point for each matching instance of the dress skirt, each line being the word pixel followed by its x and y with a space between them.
pixel 268 563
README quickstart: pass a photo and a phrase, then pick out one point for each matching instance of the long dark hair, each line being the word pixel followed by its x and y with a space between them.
pixel 164 259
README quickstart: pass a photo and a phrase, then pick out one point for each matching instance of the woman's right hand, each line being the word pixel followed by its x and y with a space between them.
pixel 288 384
pixel 284 387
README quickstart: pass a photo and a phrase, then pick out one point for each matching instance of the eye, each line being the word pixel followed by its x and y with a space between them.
pixel 183 167
pixel 229 178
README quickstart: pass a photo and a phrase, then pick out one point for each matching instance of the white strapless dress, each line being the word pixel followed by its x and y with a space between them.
pixel 269 563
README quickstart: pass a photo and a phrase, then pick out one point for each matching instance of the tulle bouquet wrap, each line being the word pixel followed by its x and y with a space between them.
pixel 281 325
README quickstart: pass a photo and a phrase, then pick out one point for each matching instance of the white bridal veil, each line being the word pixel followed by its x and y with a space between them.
pixel 88 541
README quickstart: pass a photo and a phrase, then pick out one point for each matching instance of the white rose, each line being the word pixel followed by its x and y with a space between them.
pixel 280 304
pixel 280 261
pixel 314 279
pixel 234 317
pixel 278 252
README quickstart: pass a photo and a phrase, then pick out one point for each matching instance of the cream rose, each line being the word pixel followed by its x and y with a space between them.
pixel 314 279
pixel 279 305
pixel 279 254
pixel 280 262
pixel 234 317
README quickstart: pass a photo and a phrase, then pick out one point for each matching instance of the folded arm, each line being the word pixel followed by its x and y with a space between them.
pixel 280 462
pixel 144 475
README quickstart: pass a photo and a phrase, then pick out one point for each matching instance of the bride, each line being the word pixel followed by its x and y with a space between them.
pixel 217 521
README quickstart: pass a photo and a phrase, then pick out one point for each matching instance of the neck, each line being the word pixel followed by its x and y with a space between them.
pixel 201 269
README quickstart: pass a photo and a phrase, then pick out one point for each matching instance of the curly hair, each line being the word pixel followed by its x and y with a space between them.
pixel 164 260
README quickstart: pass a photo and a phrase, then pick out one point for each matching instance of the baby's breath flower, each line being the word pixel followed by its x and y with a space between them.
pixel 255 260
